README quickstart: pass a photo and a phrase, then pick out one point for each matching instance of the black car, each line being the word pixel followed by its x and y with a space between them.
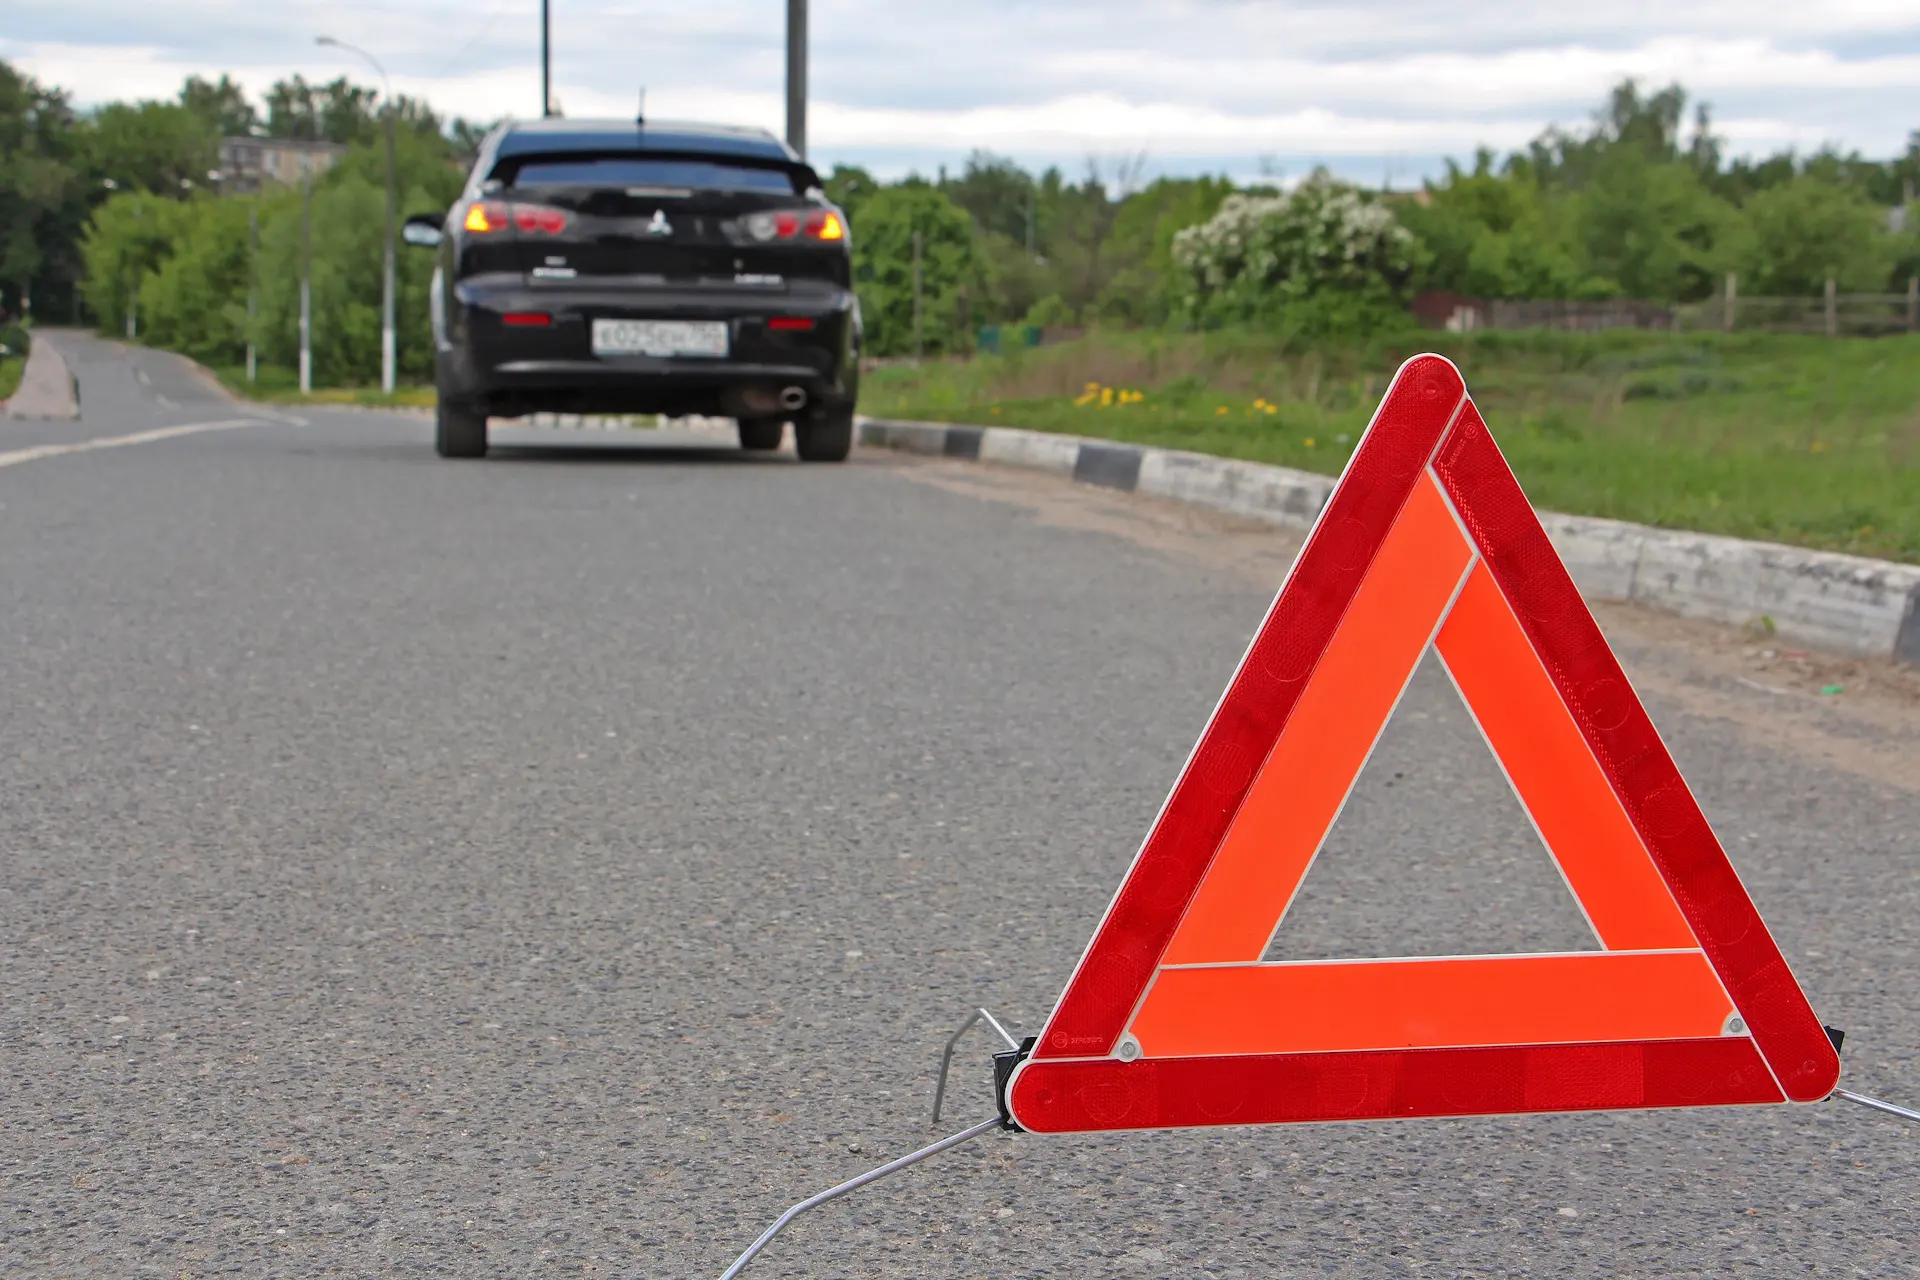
pixel 640 267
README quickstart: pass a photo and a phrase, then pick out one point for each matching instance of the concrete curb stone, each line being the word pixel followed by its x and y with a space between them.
pixel 1848 604
pixel 46 388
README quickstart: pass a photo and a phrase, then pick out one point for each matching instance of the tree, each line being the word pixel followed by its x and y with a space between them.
pixel 1813 228
pixel 40 190
pixel 849 186
pixel 223 106
pixel 1497 235
pixel 338 111
pixel 1079 220
pixel 883 269
pixel 161 147
pixel 129 238
pixel 194 299
pixel 1145 287
pixel 465 137
pixel 1654 229
pixel 997 192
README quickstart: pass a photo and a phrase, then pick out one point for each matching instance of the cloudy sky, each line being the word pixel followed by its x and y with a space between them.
pixel 1378 89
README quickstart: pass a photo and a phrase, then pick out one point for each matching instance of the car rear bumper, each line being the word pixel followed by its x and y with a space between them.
pixel 524 368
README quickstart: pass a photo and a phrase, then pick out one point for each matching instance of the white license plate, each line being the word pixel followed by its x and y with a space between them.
pixel 660 338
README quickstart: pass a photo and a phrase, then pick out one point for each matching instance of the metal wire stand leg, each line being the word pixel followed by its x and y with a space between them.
pixel 946 1056
pixel 854 1184
pixel 1888 1107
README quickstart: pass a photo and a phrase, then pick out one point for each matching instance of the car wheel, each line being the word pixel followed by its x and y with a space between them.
pixel 761 434
pixel 459 429
pixel 827 437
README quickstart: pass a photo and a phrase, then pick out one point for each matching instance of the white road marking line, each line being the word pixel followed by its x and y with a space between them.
pixel 17 456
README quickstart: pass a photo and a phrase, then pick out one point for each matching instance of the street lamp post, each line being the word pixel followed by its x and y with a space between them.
pixel 386 279
pixel 797 76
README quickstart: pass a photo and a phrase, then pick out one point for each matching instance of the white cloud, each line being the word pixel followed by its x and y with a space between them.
pixel 1191 81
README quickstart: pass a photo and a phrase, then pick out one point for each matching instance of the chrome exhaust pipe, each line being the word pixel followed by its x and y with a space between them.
pixel 792 398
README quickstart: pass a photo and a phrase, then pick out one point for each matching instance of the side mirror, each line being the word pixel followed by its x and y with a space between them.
pixel 424 230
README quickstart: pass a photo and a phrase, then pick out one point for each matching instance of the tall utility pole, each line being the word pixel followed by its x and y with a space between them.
pixel 918 327
pixel 797 76
pixel 386 265
pixel 546 61
pixel 253 284
pixel 306 283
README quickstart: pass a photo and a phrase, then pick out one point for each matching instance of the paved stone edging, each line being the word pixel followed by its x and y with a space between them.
pixel 1849 604
pixel 46 387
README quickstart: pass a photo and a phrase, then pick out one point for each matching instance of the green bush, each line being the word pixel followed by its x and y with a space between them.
pixel 883 270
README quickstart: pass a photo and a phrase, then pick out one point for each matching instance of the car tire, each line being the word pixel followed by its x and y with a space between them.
pixel 758 435
pixel 459 429
pixel 827 437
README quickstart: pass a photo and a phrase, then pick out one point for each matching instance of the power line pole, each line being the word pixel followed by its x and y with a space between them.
pixel 797 76
pixel 546 61
pixel 306 283
pixel 387 345
pixel 253 285
pixel 918 329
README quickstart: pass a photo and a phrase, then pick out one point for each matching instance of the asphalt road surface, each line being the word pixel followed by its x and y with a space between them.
pixel 562 863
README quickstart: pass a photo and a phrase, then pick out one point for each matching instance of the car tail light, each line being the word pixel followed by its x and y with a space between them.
pixel 796 224
pixel 539 219
pixel 526 319
pixel 488 216
pixel 790 324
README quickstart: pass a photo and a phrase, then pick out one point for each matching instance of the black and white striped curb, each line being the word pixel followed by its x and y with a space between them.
pixel 1848 604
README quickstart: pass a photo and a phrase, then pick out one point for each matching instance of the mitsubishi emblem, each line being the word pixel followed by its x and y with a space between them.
pixel 659 226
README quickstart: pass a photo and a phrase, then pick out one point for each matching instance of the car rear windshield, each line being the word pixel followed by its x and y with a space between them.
pixel 639 171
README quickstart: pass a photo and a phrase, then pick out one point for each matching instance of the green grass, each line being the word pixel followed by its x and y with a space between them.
pixel 276 384
pixel 14 363
pixel 1792 439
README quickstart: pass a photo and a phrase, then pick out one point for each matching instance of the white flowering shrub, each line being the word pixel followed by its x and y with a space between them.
pixel 1264 256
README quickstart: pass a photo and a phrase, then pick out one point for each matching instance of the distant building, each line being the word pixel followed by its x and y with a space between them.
pixel 248 164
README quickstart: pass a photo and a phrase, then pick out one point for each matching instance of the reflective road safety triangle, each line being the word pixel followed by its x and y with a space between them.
pixel 1173 1018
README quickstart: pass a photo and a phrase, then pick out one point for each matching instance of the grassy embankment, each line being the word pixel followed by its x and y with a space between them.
pixel 14 363
pixel 277 385
pixel 1791 439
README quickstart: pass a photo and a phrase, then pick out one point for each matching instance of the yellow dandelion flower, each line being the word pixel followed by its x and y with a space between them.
pixel 1106 397
pixel 1221 410
pixel 1817 447
pixel 1309 442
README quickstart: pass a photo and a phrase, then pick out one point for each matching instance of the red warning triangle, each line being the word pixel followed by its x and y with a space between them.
pixel 1174 1018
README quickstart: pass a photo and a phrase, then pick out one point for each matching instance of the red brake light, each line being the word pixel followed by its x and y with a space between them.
pixel 539 219
pixel 786 225
pixel 526 319
pixel 791 324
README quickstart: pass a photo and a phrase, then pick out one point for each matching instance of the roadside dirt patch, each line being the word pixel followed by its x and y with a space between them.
pixel 1857 714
